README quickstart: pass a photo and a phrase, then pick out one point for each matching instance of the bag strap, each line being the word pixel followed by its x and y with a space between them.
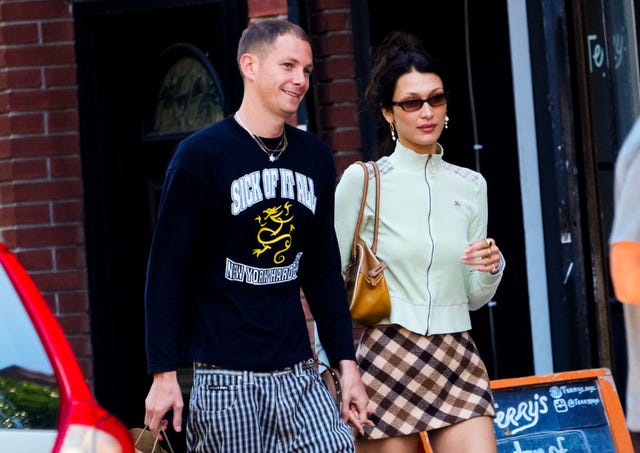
pixel 356 232
pixel 376 174
pixel 155 442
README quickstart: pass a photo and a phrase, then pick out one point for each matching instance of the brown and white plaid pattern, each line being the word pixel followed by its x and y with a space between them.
pixel 417 383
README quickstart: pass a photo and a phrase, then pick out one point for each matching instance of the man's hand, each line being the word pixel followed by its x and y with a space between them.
pixel 164 395
pixel 354 397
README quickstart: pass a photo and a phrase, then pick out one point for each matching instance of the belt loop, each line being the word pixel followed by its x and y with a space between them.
pixel 247 377
pixel 300 367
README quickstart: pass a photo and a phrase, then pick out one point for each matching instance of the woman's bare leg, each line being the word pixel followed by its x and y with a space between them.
pixel 475 435
pixel 401 444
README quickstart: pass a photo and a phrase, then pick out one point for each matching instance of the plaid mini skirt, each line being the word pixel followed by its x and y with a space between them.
pixel 418 383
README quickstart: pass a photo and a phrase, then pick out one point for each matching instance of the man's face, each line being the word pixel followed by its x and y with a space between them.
pixel 282 74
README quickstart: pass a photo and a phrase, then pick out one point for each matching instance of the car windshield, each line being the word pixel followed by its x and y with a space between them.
pixel 29 397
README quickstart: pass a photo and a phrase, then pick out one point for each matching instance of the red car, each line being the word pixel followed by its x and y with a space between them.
pixel 45 402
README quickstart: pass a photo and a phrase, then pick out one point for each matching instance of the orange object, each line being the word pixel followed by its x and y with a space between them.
pixel 625 271
pixel 424 446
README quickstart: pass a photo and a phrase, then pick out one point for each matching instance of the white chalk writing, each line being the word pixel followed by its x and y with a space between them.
pixel 525 415
pixel 557 448
pixel 597 50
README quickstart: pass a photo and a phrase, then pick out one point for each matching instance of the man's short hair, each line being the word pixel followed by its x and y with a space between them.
pixel 261 34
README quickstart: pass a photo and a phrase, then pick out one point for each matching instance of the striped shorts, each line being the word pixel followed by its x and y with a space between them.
pixel 281 411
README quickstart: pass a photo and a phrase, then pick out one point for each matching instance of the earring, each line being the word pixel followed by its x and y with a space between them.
pixel 446 122
pixel 393 132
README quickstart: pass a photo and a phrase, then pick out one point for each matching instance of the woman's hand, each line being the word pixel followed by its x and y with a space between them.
pixel 354 397
pixel 483 255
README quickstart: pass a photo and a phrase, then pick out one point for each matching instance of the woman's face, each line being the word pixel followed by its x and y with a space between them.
pixel 418 130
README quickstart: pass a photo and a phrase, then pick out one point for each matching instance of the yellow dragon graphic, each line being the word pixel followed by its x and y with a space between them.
pixel 267 237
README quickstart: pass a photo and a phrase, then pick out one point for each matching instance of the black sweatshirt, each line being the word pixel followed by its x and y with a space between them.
pixel 237 237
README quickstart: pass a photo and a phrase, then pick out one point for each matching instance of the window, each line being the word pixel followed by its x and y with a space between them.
pixel 189 96
pixel 29 396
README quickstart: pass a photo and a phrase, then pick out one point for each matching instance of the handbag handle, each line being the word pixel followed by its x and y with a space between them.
pixel 155 442
pixel 356 233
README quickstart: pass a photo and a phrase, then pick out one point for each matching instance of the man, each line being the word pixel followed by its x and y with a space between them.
pixel 245 222
pixel 625 266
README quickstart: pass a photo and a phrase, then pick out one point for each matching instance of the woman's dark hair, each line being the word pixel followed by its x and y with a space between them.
pixel 398 54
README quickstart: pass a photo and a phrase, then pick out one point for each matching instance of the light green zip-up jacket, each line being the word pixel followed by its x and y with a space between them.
pixel 430 211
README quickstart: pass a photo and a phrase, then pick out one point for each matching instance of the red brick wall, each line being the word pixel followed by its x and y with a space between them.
pixel 335 75
pixel 264 8
pixel 40 171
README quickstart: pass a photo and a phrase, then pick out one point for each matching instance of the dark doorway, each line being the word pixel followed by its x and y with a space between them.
pixel 129 60
pixel 482 116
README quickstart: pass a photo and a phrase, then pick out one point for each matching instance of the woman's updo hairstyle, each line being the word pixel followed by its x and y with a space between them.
pixel 398 54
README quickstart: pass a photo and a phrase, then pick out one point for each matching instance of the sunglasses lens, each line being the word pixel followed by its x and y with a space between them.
pixel 437 100
pixel 412 105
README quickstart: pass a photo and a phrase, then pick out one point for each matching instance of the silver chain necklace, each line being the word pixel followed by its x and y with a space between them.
pixel 273 154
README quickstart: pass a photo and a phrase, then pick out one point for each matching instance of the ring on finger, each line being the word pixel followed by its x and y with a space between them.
pixel 488 255
pixel 489 242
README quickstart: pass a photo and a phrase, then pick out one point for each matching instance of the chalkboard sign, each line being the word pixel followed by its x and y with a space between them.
pixel 577 411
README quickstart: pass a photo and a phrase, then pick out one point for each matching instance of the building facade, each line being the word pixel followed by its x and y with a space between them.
pixel 95 94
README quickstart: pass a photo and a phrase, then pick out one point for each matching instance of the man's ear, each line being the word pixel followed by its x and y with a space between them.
pixel 248 65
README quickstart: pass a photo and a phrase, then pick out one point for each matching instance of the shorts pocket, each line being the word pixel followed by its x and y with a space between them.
pixel 216 393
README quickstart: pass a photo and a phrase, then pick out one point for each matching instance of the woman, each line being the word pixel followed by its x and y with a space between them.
pixel 421 368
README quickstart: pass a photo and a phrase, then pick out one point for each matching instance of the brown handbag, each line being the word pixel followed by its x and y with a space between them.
pixel 367 290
